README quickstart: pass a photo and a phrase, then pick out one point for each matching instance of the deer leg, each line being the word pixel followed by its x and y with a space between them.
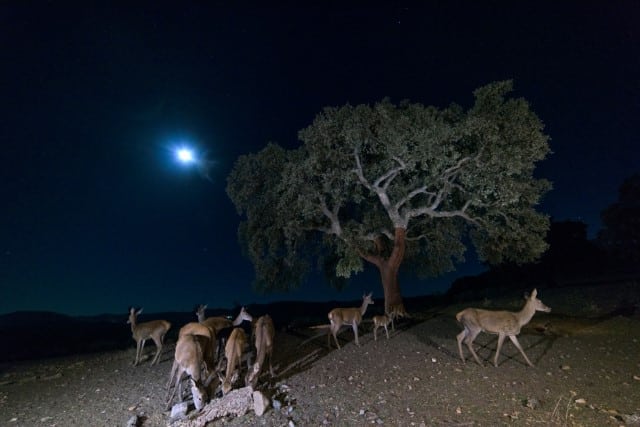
pixel 515 342
pixel 335 338
pixel 139 352
pixel 355 332
pixel 334 331
pixel 460 337
pixel 270 365
pixel 172 392
pixel 500 341
pixel 375 333
pixel 158 343
pixel 174 368
pixel 386 331
pixel 471 336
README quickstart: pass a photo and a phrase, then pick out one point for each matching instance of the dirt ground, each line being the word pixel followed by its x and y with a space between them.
pixel 587 374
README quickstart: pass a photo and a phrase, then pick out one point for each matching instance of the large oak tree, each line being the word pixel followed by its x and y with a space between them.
pixel 394 185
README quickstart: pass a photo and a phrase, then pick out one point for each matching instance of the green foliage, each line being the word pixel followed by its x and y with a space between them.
pixel 363 171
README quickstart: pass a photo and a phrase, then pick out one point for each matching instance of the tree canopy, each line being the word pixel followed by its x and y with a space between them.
pixel 620 234
pixel 395 183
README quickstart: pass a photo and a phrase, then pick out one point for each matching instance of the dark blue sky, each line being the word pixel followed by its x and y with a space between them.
pixel 97 215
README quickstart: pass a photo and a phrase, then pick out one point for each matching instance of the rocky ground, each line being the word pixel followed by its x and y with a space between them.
pixel 587 374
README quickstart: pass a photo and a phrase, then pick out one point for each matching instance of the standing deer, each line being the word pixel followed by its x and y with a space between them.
pixel 154 329
pixel 381 321
pixel 502 323
pixel 233 352
pixel 347 316
pixel 221 325
pixel 264 334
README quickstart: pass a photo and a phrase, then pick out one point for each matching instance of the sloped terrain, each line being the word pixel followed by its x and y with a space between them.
pixel 587 374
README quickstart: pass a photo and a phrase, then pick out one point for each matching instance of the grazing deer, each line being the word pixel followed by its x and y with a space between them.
pixel 207 338
pixel 221 325
pixel 189 360
pixel 347 316
pixel 502 323
pixel 264 334
pixel 381 321
pixel 233 352
pixel 154 329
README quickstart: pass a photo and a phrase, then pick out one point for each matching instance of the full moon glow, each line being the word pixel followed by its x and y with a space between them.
pixel 185 155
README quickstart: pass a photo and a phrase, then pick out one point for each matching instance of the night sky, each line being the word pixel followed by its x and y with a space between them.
pixel 97 214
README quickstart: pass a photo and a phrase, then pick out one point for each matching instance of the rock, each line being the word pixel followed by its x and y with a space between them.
pixel 276 404
pixel 631 419
pixel 260 403
pixel 236 403
pixel 133 421
pixel 532 403
pixel 179 410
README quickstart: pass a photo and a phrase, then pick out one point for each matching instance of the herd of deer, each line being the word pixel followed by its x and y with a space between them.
pixel 201 343
pixel 199 349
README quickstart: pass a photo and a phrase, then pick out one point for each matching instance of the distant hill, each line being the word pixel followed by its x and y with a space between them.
pixel 41 334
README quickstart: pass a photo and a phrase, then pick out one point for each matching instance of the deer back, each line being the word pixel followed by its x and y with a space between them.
pixel 345 315
pixel 264 335
pixel 217 323
pixel 189 356
pixel 148 329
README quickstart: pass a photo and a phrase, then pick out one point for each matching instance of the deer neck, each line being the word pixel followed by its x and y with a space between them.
pixel 238 320
pixel 527 312
pixel 363 308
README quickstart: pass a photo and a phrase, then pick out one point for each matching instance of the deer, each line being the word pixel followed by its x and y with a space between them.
pixel 381 321
pixel 501 323
pixel 347 316
pixel 219 322
pixel 221 325
pixel 207 338
pixel 233 352
pixel 154 329
pixel 264 333
pixel 189 359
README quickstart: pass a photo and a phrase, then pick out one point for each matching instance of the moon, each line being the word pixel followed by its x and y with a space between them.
pixel 185 155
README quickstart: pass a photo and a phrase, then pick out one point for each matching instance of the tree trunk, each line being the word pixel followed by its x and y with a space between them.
pixel 389 268
pixel 393 303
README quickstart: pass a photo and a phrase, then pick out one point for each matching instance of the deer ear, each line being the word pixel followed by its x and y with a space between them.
pixel 140 311
pixel 534 293
pixel 526 295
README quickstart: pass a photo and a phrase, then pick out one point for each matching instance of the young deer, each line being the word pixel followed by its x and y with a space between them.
pixel 154 329
pixel 347 316
pixel 264 334
pixel 381 321
pixel 189 360
pixel 233 352
pixel 502 323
